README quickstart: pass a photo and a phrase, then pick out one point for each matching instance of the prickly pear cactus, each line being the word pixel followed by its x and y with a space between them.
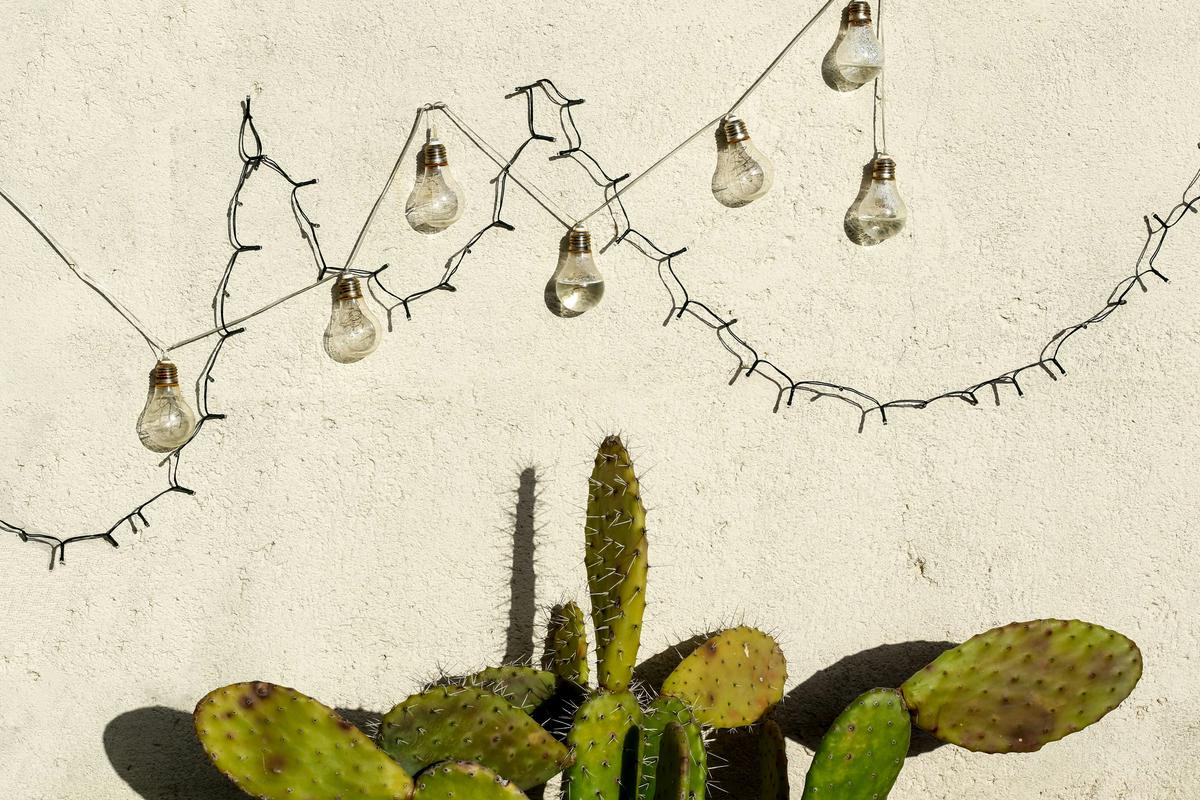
pixel 605 740
pixel 674 764
pixel 464 780
pixel 616 561
pixel 772 762
pixel 665 711
pixel 468 724
pixel 566 644
pixel 732 679
pixel 278 744
pixel 524 687
pixel 862 753
pixel 1021 686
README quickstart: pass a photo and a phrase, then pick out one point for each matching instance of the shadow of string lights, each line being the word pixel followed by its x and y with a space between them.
pixel 749 364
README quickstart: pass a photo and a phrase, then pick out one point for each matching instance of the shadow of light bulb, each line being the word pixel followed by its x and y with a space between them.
pixel 576 286
pixel 167 421
pixel 743 173
pixel 878 213
pixel 353 331
pixel 436 200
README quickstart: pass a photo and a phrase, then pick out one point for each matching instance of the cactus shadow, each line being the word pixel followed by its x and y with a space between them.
pixel 522 606
pixel 654 670
pixel 156 752
pixel 809 709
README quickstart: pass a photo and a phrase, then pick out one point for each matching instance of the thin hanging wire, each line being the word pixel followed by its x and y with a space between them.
pixel 880 90
pixel 539 195
pixel 156 345
pixel 709 125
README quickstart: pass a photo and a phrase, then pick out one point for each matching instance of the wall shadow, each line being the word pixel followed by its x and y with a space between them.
pixel 809 709
pixel 522 585
pixel 156 752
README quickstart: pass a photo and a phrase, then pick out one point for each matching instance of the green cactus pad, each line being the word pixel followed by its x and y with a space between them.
pixel 605 741
pixel 616 561
pixel 524 687
pixel 732 679
pixel 674 764
pixel 1024 685
pixel 278 744
pixel 863 751
pixel 772 762
pixel 464 780
pixel 566 644
pixel 469 724
pixel 662 712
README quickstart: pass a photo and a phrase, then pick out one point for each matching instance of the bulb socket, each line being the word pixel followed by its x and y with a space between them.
pixel 434 154
pixel 883 168
pixel 858 13
pixel 165 373
pixel 735 130
pixel 579 240
pixel 347 287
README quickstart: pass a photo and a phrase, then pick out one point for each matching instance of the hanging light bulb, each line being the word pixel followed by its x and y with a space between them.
pixel 879 213
pixel 857 56
pixel 743 173
pixel 167 422
pixel 353 331
pixel 436 200
pixel 578 283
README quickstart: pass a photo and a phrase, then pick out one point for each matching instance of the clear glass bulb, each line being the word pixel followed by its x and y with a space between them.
pixel 353 331
pixel 743 173
pixel 578 283
pixel 879 213
pixel 167 421
pixel 857 53
pixel 436 200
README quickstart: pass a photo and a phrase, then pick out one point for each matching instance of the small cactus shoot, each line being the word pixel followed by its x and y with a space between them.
pixel 464 780
pixel 616 561
pixel 566 644
pixel 862 753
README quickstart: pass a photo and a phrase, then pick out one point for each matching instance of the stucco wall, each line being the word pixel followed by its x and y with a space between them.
pixel 353 525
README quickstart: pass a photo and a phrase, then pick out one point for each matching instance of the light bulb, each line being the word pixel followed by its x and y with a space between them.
pixel 578 283
pixel 857 55
pixel 879 213
pixel 167 422
pixel 436 200
pixel 743 173
pixel 353 331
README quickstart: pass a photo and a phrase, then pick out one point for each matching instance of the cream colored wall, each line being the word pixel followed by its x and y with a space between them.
pixel 352 524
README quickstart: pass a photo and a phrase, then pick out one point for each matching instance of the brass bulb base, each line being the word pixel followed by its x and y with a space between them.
pixel 858 13
pixel 579 240
pixel 164 373
pixel 347 287
pixel 434 154
pixel 883 168
pixel 735 130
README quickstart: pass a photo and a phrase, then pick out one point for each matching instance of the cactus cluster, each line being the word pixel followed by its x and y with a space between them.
pixel 487 736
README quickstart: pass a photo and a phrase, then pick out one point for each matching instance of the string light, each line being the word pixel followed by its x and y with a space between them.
pixel 166 422
pixel 743 173
pixel 856 57
pixel 878 213
pixel 353 331
pixel 436 200
pixel 578 283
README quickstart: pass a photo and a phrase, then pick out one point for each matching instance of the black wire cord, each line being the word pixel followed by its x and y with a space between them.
pixel 749 362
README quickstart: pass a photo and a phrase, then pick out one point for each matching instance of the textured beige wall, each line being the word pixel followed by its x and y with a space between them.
pixel 352 525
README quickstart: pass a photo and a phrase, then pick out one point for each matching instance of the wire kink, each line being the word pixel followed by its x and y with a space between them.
pixel 613 188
